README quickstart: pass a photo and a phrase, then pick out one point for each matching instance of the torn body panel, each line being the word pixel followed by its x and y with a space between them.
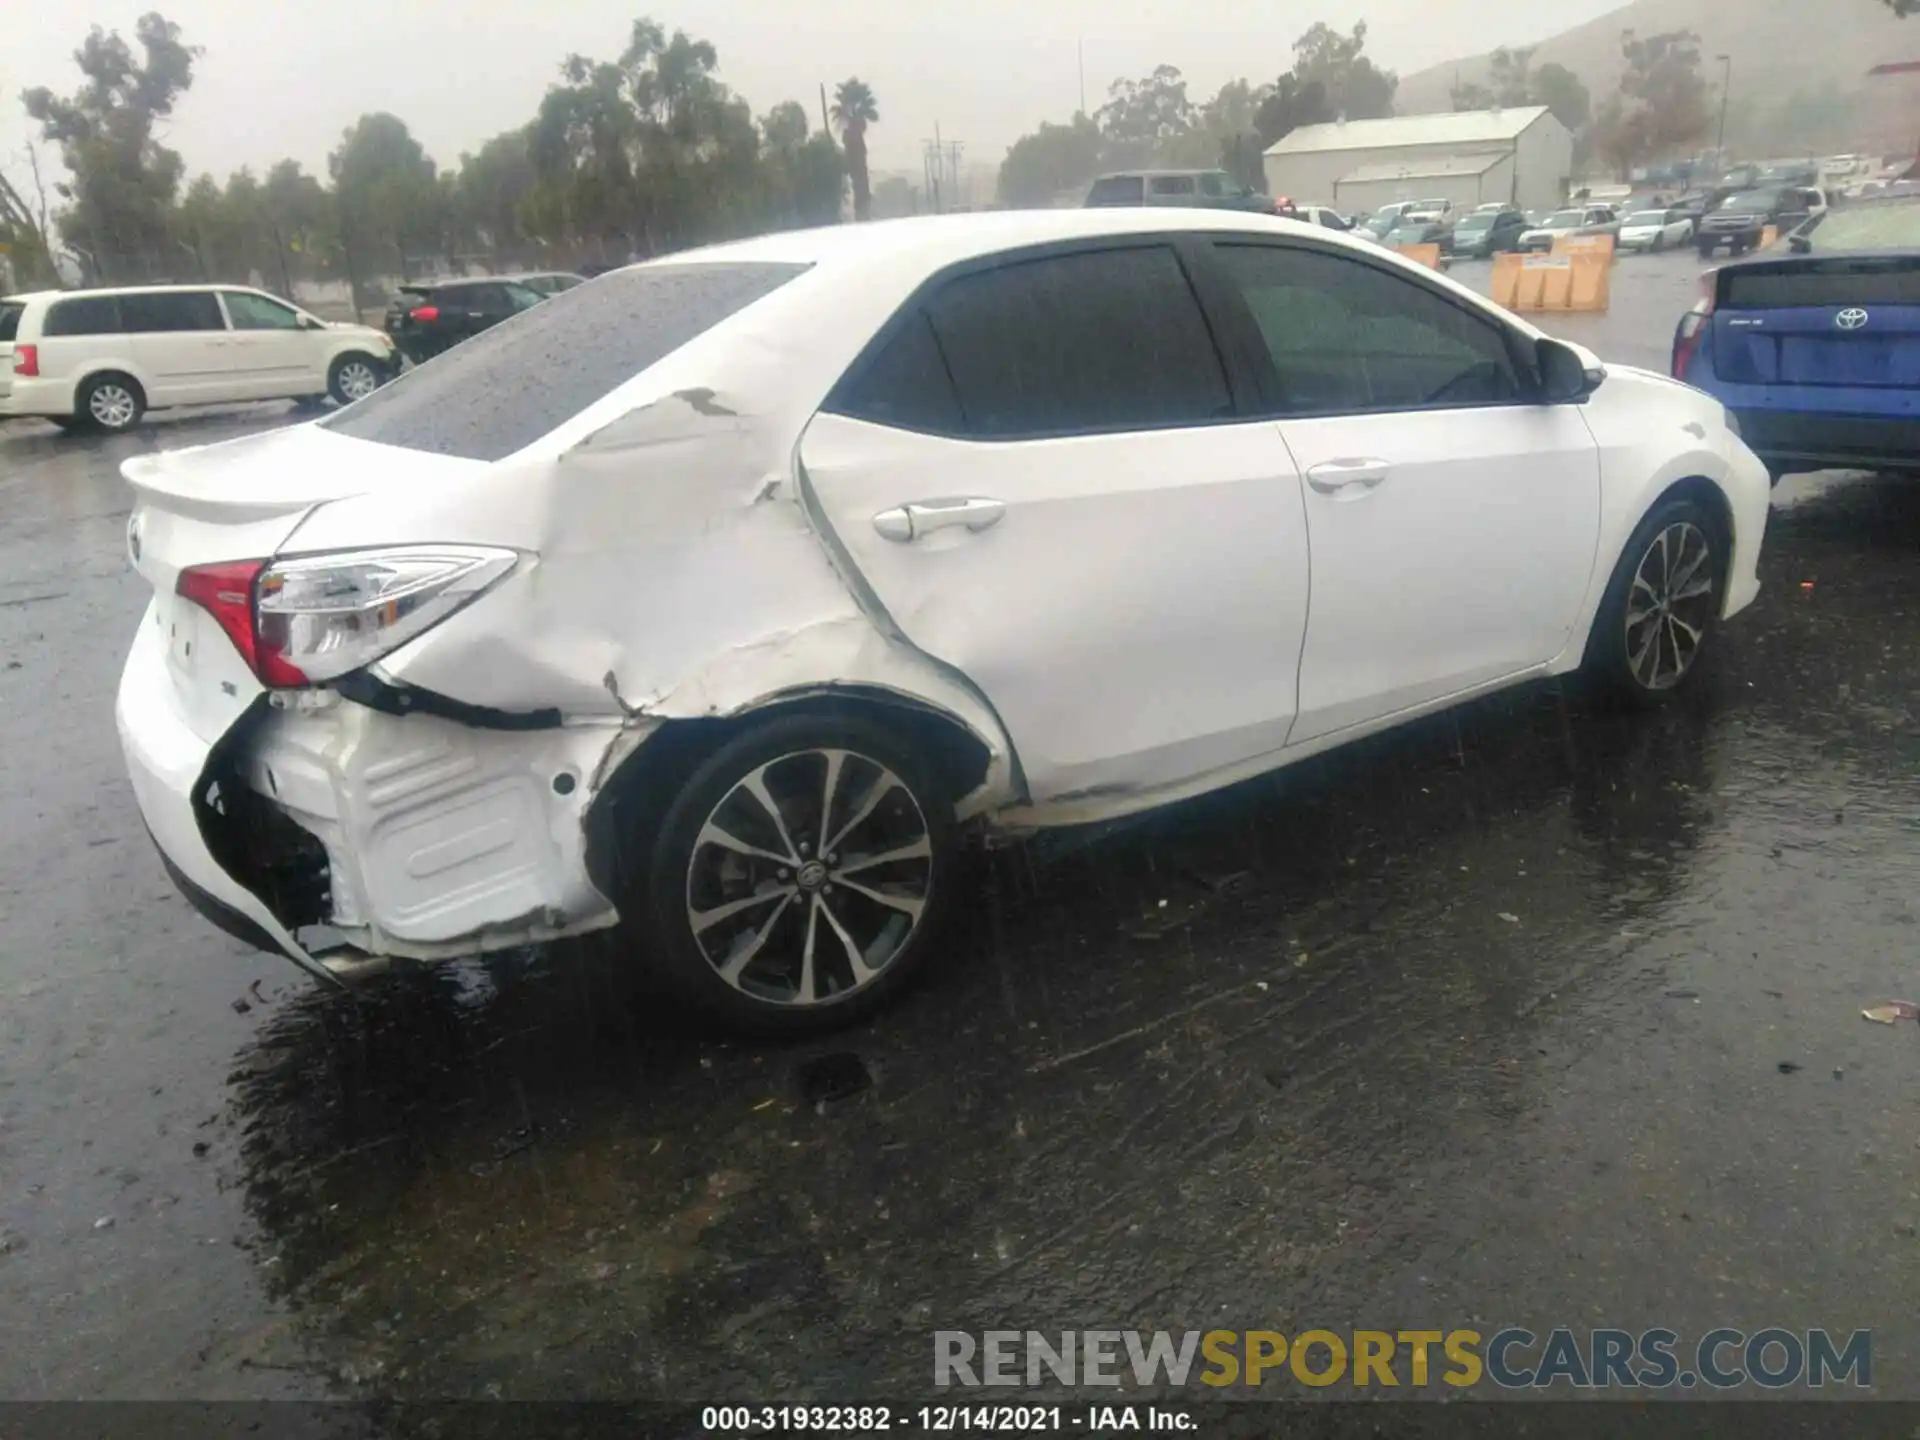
pixel 669 573
pixel 440 838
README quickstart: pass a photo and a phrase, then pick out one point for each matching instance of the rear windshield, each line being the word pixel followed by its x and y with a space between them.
pixel 1647 217
pixel 1567 217
pixel 508 386
pixel 1479 221
pixel 1117 190
pixel 1877 225
pixel 1750 200
pixel 10 313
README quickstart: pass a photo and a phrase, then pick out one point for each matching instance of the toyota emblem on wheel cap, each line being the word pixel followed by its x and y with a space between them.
pixel 1851 318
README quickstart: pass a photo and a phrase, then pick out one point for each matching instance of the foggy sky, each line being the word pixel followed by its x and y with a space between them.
pixel 283 78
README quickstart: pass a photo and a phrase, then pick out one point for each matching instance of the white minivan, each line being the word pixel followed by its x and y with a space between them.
pixel 105 357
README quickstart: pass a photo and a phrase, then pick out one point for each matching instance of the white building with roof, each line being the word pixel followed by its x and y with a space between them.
pixel 1520 155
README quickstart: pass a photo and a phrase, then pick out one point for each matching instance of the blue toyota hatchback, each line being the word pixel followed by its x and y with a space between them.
pixel 1814 345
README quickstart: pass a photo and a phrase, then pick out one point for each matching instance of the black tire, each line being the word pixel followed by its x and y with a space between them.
pixel 1616 658
pixel 1659 243
pixel 344 377
pixel 1706 249
pixel 684 875
pixel 111 402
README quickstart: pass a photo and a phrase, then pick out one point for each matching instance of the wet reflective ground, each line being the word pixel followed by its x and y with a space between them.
pixel 1525 1015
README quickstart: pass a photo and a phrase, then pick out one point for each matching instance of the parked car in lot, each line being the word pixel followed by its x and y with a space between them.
pixel 1207 189
pixel 1816 348
pixel 1742 219
pixel 547 283
pixel 103 358
pixel 1578 220
pixel 1413 230
pixel 1323 215
pixel 1488 232
pixel 807 551
pixel 1655 230
pixel 1385 218
pixel 427 317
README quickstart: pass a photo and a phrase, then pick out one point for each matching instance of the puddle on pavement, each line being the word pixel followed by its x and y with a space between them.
pixel 1297 999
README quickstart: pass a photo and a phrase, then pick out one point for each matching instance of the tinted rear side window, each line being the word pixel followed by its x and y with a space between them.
pixel 158 314
pixel 1098 341
pixel 904 384
pixel 83 315
pixel 10 322
pixel 509 385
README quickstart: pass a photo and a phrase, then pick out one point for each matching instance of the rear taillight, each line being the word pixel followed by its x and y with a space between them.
pixel 226 592
pixel 424 313
pixel 1693 325
pixel 26 360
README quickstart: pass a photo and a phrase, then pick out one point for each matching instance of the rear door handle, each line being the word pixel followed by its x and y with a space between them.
pixel 910 522
pixel 1330 477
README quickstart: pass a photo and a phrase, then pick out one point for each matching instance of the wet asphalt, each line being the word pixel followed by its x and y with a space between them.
pixel 1526 1014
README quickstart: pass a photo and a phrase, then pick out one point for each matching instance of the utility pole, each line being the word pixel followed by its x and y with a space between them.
pixel 825 123
pixel 1080 47
pixel 1726 85
pixel 930 151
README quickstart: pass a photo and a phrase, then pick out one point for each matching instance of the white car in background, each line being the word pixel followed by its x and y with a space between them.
pixel 807 551
pixel 1324 215
pixel 103 358
pixel 1654 230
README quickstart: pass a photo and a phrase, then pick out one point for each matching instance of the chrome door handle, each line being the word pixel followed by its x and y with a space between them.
pixel 1332 476
pixel 910 522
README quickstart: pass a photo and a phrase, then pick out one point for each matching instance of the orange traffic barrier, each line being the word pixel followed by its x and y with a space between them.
pixel 1768 234
pixel 1580 280
pixel 1579 244
pixel 1427 255
pixel 1506 278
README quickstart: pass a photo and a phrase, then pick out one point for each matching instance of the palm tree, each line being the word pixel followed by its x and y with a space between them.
pixel 853 110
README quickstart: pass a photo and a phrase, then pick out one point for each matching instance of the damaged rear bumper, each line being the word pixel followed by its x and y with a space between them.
pixel 330 826
pixel 438 838
pixel 166 760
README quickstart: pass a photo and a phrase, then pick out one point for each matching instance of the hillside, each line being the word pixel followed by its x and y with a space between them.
pixel 1777 49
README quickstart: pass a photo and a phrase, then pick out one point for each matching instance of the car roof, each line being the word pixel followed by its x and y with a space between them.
pixel 1162 170
pixel 114 290
pixel 929 242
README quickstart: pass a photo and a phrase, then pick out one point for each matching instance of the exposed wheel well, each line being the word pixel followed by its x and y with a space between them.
pixel 1710 498
pixel 634 796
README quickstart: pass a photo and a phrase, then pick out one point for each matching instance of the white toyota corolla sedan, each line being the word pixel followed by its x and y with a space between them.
pixel 716 598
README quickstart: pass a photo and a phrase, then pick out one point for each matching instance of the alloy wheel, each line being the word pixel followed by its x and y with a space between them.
pixel 810 877
pixel 1669 605
pixel 357 380
pixel 113 406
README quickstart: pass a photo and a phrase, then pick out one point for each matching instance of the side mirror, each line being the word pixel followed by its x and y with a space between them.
pixel 1568 374
pixel 307 322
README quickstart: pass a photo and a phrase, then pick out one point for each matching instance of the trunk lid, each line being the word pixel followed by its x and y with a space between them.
pixel 1847 320
pixel 241 500
pixel 405 301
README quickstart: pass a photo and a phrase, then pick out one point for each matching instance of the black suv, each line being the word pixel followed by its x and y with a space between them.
pixel 1740 219
pixel 430 316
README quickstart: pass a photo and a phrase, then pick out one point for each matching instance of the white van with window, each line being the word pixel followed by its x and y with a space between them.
pixel 103 358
